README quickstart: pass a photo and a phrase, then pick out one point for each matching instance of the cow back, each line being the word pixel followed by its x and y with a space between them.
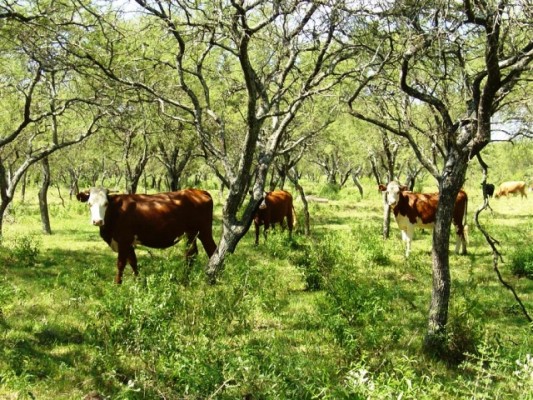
pixel 157 220
pixel 417 207
pixel 278 205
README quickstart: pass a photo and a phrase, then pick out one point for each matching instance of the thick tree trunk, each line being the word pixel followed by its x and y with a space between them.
pixel 43 197
pixel 453 178
pixel 231 235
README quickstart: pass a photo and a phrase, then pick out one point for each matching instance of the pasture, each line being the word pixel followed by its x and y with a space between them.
pixel 337 315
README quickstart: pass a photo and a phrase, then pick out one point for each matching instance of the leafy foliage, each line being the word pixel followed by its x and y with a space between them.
pixel 521 262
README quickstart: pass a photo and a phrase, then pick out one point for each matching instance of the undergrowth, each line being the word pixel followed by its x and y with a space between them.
pixel 340 314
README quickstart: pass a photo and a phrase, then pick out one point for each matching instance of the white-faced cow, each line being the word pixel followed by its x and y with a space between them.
pixel 157 221
pixel 513 187
pixel 419 209
pixel 275 207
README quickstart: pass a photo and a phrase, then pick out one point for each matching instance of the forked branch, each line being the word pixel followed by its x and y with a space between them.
pixel 493 243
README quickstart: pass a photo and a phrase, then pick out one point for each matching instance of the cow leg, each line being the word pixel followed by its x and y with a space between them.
pixel 206 238
pixel 132 259
pixel 267 226
pixel 121 264
pixel 290 224
pixel 256 233
pixel 460 241
pixel 192 248
pixel 407 237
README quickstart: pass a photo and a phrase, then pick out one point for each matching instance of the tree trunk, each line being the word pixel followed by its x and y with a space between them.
pixel 43 197
pixel 23 188
pixel 307 218
pixel 449 186
pixel 386 218
pixel 356 181
pixel 5 199
pixel 231 235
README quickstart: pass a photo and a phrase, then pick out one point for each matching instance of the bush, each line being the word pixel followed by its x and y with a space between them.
pixel 522 263
pixel 370 246
pixel 463 334
pixel 317 259
pixel 330 191
pixel 25 250
pixel 356 312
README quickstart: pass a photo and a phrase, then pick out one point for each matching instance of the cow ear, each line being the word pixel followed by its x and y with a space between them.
pixel 83 196
pixel 403 188
pixel 382 187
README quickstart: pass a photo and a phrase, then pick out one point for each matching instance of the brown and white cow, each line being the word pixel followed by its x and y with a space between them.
pixel 419 209
pixel 275 207
pixel 513 187
pixel 157 221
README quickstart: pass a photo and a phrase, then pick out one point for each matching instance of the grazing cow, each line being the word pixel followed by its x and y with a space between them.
pixel 513 187
pixel 419 209
pixel 157 221
pixel 275 207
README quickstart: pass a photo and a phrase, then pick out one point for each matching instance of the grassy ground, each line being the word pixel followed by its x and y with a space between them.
pixel 67 331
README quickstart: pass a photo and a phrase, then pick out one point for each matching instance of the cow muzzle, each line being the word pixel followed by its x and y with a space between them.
pixel 99 222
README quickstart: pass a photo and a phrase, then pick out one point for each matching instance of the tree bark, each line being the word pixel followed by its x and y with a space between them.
pixel 43 197
pixel 293 177
pixel 356 181
pixel 231 235
pixel 449 186
pixel 386 218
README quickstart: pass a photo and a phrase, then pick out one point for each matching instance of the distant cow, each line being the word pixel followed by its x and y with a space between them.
pixel 157 221
pixel 419 210
pixel 513 187
pixel 275 207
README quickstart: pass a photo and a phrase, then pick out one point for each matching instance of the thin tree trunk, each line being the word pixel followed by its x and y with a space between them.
pixel 43 197
pixel 23 188
pixel 307 218
pixel 356 181
pixel 454 173
pixel 386 218
pixel 293 177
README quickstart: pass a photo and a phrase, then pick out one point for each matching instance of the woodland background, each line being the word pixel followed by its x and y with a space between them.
pixel 323 98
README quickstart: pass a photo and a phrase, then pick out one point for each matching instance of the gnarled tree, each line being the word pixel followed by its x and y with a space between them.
pixel 459 64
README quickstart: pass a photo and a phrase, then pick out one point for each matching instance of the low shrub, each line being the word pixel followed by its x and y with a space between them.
pixel 317 258
pixel 330 191
pixel 522 262
pixel 355 312
pixel 25 250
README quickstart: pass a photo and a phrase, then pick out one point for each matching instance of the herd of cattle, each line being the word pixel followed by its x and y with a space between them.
pixel 161 220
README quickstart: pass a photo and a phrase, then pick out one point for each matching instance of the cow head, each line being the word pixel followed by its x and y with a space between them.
pixel 97 200
pixel 392 192
pixel 262 204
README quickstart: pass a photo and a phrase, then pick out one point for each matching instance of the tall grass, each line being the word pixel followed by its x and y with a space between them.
pixel 337 315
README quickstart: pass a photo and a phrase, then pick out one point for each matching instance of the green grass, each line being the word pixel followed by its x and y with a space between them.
pixel 340 314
